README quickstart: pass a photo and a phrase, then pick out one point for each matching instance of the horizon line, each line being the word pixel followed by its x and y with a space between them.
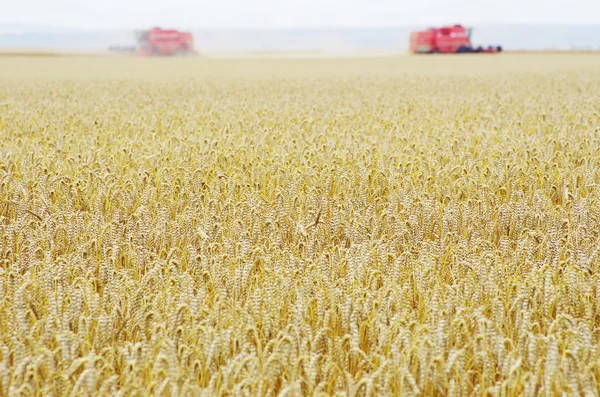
pixel 31 27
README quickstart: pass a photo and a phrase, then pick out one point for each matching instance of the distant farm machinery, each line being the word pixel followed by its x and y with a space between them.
pixel 447 40
pixel 160 42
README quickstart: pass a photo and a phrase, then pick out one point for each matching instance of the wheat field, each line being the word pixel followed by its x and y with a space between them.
pixel 410 226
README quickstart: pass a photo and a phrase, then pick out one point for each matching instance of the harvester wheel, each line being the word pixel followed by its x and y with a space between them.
pixel 463 50
pixel 499 48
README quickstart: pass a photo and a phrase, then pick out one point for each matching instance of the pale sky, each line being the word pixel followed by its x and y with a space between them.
pixel 130 14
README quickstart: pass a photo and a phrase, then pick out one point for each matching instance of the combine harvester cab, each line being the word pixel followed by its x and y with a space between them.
pixel 446 40
pixel 164 42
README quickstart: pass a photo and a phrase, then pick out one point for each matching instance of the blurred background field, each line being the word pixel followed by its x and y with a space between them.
pixel 48 66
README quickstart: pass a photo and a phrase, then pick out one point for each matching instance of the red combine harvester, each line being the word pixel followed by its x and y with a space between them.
pixel 160 42
pixel 446 40
pixel 165 42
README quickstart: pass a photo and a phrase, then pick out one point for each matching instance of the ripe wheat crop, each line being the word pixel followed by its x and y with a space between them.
pixel 415 226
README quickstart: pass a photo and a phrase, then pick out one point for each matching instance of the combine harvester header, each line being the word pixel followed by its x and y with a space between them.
pixel 446 40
